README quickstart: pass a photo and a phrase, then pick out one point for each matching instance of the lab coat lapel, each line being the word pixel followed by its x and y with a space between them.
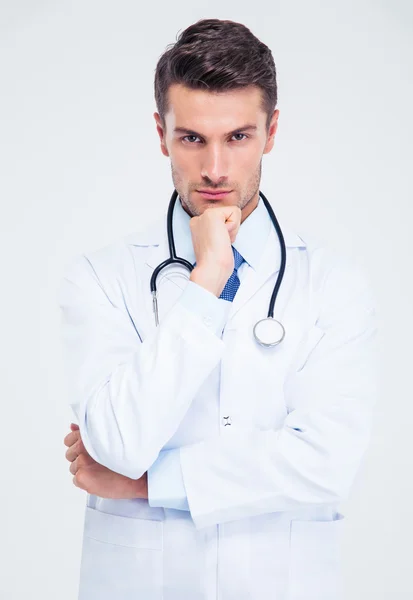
pixel 158 253
pixel 154 241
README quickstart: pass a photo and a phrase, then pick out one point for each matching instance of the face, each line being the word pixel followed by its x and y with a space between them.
pixel 215 142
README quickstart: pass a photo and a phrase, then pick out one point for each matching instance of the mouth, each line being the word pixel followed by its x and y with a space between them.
pixel 215 195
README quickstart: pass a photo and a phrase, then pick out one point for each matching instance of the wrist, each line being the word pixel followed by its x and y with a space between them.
pixel 140 487
pixel 212 279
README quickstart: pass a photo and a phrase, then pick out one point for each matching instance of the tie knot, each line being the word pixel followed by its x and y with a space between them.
pixel 238 259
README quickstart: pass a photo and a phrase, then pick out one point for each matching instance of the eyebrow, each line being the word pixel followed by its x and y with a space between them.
pixel 246 127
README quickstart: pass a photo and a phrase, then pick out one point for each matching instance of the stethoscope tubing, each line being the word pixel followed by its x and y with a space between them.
pixel 174 259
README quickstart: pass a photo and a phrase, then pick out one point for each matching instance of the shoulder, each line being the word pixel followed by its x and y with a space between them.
pixel 327 264
pixel 335 279
pixel 110 270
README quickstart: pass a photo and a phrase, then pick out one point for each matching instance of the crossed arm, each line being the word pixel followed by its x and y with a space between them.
pixel 311 460
pixel 97 479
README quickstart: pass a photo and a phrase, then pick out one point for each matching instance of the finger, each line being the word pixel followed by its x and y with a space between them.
pixel 74 466
pixel 86 459
pixel 232 215
pixel 71 438
pixel 81 462
pixel 77 482
pixel 74 450
pixel 74 426
pixel 232 228
pixel 82 480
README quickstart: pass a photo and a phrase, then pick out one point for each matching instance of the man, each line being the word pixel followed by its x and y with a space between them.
pixel 214 466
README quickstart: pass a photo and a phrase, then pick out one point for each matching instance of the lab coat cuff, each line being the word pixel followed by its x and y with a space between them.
pixel 206 306
pixel 166 487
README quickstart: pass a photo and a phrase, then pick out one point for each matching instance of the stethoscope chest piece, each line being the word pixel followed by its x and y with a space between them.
pixel 269 332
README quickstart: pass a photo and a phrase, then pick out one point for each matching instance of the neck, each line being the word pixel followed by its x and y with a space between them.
pixel 250 206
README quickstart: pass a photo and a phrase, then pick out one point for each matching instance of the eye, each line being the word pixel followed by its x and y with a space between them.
pixel 191 139
pixel 190 136
pixel 240 140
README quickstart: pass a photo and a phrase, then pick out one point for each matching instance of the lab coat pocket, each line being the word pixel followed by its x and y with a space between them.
pixel 315 561
pixel 121 558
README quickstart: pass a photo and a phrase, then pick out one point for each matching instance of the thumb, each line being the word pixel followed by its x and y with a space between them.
pixel 231 226
pixel 74 426
pixel 232 229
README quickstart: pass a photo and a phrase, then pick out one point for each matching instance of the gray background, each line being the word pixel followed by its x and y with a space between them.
pixel 81 166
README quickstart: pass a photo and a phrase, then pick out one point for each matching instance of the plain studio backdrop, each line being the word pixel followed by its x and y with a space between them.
pixel 81 166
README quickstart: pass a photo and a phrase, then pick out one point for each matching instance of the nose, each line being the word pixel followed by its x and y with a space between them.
pixel 215 165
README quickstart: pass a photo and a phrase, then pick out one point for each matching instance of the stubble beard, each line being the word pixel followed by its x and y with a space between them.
pixel 247 194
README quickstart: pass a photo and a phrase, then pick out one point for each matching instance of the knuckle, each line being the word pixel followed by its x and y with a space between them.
pixel 80 478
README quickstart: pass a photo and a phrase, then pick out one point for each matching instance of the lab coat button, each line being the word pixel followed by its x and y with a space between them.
pixel 226 421
pixel 208 321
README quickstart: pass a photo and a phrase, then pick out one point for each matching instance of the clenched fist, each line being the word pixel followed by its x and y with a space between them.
pixel 213 232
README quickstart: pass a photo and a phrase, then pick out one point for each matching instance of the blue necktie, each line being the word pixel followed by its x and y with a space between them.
pixel 233 283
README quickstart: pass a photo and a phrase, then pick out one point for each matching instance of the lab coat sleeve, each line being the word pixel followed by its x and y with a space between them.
pixel 313 458
pixel 166 487
pixel 130 396
pixel 165 483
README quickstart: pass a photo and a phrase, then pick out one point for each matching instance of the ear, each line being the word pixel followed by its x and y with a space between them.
pixel 271 132
pixel 161 132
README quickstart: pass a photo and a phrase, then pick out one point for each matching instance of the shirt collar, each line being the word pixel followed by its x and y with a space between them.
pixel 250 241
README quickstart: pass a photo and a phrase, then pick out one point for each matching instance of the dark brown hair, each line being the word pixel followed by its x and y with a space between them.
pixel 219 56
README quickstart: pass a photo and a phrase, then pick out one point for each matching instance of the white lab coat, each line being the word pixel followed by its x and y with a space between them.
pixel 263 493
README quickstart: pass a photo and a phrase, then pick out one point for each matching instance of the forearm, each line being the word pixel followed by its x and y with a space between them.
pixel 310 461
pixel 130 396
pixel 245 474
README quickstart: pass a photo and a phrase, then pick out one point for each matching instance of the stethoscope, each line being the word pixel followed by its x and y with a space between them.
pixel 268 332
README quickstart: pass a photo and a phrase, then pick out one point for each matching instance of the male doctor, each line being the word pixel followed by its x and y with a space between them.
pixel 214 466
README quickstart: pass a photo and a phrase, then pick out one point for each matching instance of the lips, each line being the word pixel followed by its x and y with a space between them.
pixel 214 191
pixel 216 194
